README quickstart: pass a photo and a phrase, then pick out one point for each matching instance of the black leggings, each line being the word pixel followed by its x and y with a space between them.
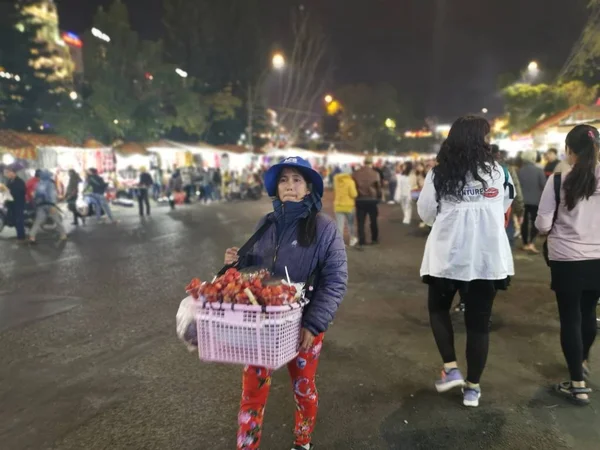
pixel 143 200
pixel 528 230
pixel 577 311
pixel 479 300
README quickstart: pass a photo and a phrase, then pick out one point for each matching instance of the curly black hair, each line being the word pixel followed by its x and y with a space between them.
pixel 464 151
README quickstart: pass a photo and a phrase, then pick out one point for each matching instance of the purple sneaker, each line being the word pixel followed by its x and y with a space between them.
pixel 471 396
pixel 450 379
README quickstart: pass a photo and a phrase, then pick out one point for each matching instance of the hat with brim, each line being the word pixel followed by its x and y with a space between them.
pixel 301 165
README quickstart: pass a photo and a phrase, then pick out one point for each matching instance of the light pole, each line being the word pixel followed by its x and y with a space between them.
pixel 279 65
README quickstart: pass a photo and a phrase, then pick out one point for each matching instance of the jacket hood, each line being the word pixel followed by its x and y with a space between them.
pixel 343 177
pixel 45 175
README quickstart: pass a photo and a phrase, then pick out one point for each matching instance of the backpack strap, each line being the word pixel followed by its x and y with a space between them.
pixel 243 251
pixel 557 185
pixel 507 184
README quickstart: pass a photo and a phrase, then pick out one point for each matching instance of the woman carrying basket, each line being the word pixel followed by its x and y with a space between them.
pixel 306 243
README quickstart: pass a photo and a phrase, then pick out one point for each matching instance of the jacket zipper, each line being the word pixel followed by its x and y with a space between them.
pixel 278 243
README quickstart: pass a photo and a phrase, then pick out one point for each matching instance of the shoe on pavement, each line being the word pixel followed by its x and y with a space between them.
pixel 471 396
pixel 449 380
pixel 353 242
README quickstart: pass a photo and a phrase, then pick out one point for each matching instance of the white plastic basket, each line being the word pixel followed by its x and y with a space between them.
pixel 249 335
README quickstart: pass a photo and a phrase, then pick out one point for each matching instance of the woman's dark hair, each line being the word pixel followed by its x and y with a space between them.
pixel 581 181
pixel 464 152
pixel 307 226
pixel 408 168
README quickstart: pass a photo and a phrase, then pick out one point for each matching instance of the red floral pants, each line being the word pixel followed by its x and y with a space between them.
pixel 256 384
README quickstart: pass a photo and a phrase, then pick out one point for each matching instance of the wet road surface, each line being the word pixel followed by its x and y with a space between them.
pixel 90 359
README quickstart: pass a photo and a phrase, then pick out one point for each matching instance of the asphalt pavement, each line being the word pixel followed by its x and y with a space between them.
pixel 90 359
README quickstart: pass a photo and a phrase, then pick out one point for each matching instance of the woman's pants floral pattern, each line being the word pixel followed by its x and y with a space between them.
pixel 256 385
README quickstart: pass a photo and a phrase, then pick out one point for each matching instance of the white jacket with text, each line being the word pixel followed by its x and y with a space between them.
pixel 468 240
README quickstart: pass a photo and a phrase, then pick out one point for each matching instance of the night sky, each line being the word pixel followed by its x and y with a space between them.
pixel 443 56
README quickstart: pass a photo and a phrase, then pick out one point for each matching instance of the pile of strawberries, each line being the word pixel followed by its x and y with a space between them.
pixel 235 287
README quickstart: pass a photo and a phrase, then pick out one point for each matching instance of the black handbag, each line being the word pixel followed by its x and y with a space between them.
pixel 557 183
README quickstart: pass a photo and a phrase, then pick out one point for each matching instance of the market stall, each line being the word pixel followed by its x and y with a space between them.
pixel 169 155
pixel 551 132
pixel 130 157
pixel 15 148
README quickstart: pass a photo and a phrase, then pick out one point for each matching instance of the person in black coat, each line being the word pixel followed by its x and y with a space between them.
pixel 72 194
pixel 16 208
pixel 144 184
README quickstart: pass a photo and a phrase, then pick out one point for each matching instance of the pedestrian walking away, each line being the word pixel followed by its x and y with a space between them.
pixel 71 196
pixel 405 182
pixel 16 207
pixel 464 199
pixel 574 254
pixel 144 185
pixel 345 193
pixel 517 210
pixel 45 198
pixel 368 185
pixel 98 186
pixel 532 180
pixel 304 241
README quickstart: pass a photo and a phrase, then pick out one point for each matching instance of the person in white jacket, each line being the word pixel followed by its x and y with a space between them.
pixel 464 199
pixel 405 182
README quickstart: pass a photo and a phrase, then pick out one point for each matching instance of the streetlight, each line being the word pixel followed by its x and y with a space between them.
pixel 116 122
pixel 100 35
pixel 73 95
pixel 278 61
pixel 533 67
pixel 181 73
pixel 328 99
pixel 390 124
pixel 484 110
pixel 8 159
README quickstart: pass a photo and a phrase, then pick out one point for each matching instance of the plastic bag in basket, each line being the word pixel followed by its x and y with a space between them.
pixel 187 329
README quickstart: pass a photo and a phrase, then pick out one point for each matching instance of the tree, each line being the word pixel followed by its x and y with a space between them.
pixel 307 72
pixel 220 44
pixel 527 104
pixel 130 92
pixel 366 110
pixel 584 60
pixel 25 91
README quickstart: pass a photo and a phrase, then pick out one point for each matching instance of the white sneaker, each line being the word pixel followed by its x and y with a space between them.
pixel 353 241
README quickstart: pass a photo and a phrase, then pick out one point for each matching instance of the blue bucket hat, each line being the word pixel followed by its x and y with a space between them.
pixel 301 165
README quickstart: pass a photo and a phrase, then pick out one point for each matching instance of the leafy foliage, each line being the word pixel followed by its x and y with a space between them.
pixel 366 109
pixel 130 92
pixel 527 104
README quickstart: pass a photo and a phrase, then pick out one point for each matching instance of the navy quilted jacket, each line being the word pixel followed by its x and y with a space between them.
pixel 279 248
